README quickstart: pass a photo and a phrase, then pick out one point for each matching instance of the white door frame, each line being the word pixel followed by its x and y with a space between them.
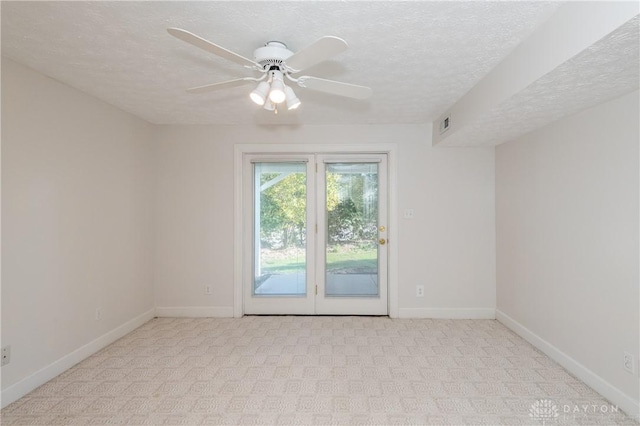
pixel 241 211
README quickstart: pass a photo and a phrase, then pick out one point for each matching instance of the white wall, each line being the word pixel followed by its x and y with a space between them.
pixel 77 225
pixel 102 210
pixel 449 246
pixel 567 240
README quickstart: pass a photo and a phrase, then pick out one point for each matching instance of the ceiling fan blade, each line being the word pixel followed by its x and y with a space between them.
pixel 335 87
pixel 211 47
pixel 222 85
pixel 323 49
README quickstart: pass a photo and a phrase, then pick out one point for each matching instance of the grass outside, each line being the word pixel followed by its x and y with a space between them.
pixel 345 260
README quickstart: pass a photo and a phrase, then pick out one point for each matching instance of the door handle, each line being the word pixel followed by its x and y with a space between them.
pixel 382 241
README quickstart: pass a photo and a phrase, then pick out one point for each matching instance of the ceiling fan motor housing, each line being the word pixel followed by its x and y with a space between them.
pixel 272 55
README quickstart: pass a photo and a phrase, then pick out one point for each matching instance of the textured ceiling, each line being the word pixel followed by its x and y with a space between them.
pixel 419 57
pixel 607 69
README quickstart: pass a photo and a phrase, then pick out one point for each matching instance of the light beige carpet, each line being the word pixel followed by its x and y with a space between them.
pixel 316 370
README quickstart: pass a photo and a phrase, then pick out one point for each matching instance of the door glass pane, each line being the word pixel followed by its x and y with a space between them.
pixel 352 222
pixel 280 206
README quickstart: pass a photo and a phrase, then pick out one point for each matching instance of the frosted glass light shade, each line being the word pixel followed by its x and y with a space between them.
pixel 277 92
pixel 259 94
pixel 292 100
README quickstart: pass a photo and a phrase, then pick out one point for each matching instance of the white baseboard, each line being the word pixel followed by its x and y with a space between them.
pixel 195 311
pixel 40 377
pixel 600 385
pixel 447 313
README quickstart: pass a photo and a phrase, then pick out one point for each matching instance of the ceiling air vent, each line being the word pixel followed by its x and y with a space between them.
pixel 445 123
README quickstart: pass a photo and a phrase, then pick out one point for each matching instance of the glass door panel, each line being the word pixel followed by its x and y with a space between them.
pixel 280 229
pixel 352 235
pixel 278 240
pixel 351 246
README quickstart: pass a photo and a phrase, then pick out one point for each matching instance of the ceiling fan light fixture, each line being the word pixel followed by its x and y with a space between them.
pixel 292 100
pixel 259 94
pixel 277 94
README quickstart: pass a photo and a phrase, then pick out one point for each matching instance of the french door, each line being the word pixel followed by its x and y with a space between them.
pixel 315 235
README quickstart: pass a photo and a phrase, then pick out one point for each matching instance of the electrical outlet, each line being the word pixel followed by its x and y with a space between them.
pixel 98 314
pixel 207 289
pixel 419 291
pixel 6 355
pixel 629 363
pixel 408 214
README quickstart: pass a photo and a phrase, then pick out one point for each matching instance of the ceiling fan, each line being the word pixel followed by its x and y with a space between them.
pixel 277 63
